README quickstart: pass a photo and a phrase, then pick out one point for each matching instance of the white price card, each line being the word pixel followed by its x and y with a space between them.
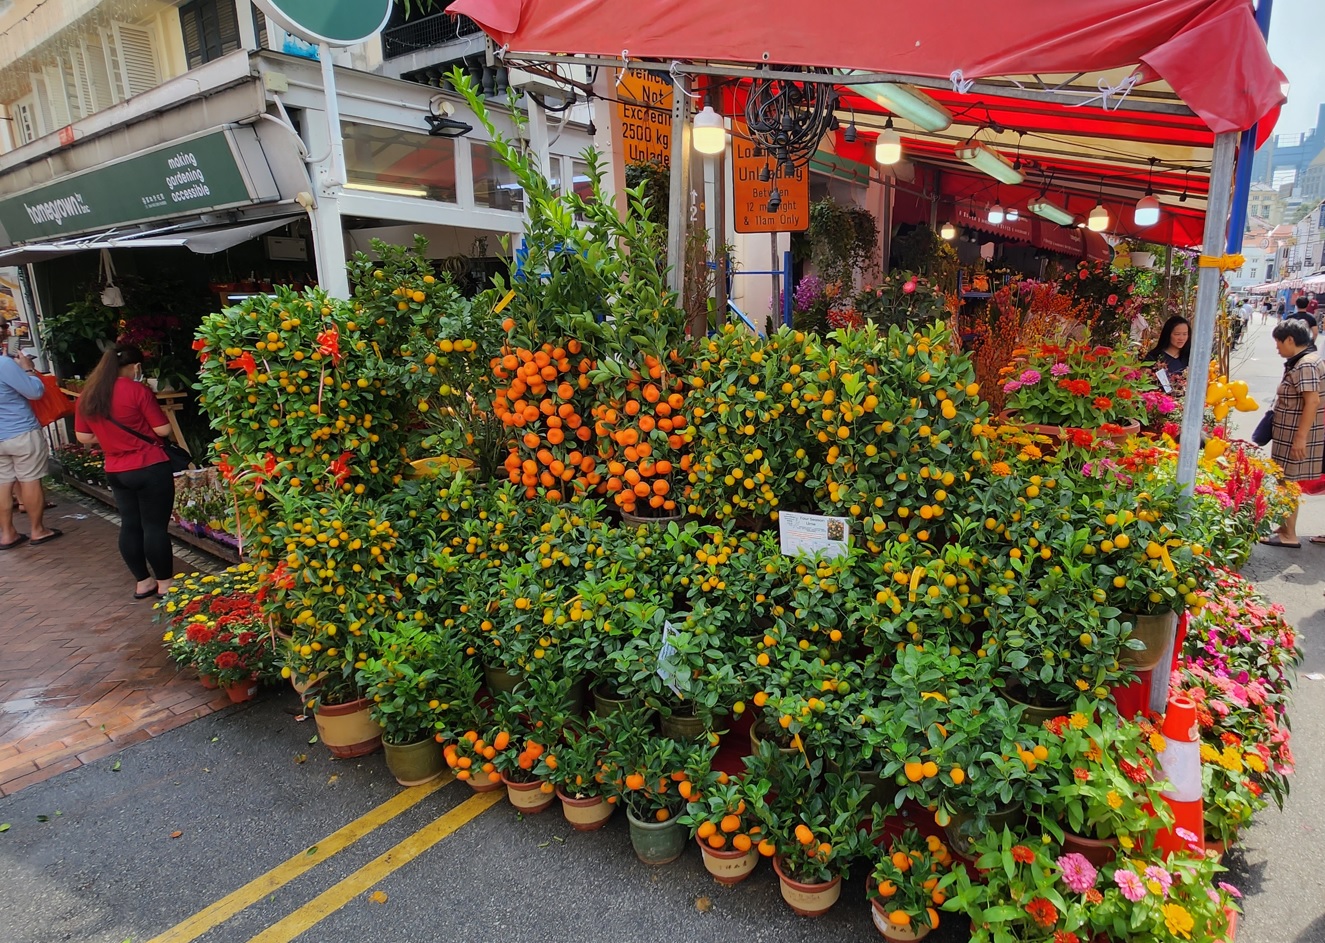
pixel 813 533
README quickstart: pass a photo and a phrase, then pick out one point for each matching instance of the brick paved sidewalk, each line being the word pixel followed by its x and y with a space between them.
pixel 83 673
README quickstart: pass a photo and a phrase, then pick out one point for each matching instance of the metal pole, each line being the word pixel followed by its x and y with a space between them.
pixel 786 288
pixel 337 169
pixel 1246 154
pixel 678 208
pixel 720 235
pixel 328 231
pixel 1207 304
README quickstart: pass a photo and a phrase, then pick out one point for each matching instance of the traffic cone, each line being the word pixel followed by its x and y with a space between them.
pixel 1181 763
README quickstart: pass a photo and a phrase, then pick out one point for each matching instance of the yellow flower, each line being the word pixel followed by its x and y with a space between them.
pixel 1209 754
pixel 1031 451
pixel 1078 721
pixel 1157 743
pixel 1125 842
pixel 1231 760
pixel 1178 920
pixel 1115 801
pixel 1254 762
pixel 1082 685
pixel 1002 469
pixel 170 637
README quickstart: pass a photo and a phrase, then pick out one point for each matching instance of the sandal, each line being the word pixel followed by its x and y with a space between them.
pixel 55 532
pixel 22 539
pixel 1318 539
pixel 1274 541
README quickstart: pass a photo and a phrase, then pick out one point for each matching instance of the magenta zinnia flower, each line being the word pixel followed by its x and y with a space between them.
pixel 1060 369
pixel 1030 377
pixel 1161 877
pixel 1129 884
pixel 1078 873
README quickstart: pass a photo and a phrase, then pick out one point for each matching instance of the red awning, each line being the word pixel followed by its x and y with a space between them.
pixel 1209 51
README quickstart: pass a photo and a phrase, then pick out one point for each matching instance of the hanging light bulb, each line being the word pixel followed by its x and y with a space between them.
pixel 1013 214
pixel 1147 208
pixel 774 200
pixel 996 214
pixel 710 134
pixel 948 232
pixel 849 135
pixel 1098 220
pixel 888 150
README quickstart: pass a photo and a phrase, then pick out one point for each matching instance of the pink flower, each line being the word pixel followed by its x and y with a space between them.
pixel 1161 877
pixel 1011 386
pixel 1030 377
pixel 909 286
pixel 1113 299
pixel 1078 873
pixel 1060 369
pixel 1129 884
pixel 1229 889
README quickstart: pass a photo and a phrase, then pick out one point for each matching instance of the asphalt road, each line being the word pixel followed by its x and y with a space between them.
pixel 138 846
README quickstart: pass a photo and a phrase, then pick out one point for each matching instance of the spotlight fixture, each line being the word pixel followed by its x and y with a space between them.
pixel 774 200
pixel 440 126
pixel 996 214
pixel 989 162
pixel 948 232
pixel 708 132
pixel 592 129
pixel 764 174
pixel 1147 208
pixel 888 150
pixel 1045 209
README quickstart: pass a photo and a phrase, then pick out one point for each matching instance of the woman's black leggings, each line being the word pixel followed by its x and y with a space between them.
pixel 145 498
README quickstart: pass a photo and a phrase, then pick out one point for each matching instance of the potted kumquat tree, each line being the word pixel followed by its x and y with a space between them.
pixel 725 827
pixel 903 889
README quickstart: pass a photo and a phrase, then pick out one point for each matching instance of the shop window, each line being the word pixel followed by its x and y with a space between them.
pixel 1253 272
pixel 210 28
pixel 25 120
pixel 132 60
pixel 403 163
pixel 580 184
pixel 495 185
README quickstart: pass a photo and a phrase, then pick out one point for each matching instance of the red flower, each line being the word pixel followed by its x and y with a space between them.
pixel 226 469
pixel 1022 854
pixel 1132 771
pixel 1103 402
pixel 1067 936
pixel 1042 912
pixel 1125 393
pixel 200 346
pixel 227 660
pixel 246 362
pixel 1081 775
pixel 1082 438
pixel 199 634
pixel 1093 896
pixel 340 467
pixel 329 344
pixel 1056 725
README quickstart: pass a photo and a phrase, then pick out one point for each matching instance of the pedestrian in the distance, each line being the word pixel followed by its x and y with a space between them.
pixel 1299 435
pixel 24 454
pixel 118 412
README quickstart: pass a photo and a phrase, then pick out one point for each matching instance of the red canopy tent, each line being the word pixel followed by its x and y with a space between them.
pixel 1109 92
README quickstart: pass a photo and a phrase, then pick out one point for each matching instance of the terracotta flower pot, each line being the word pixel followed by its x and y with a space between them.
pixel 808 900
pixel 892 931
pixel 207 681
pixel 348 730
pixel 585 815
pixel 1157 632
pixel 528 797
pixel 483 784
pixel 727 865
pixel 1098 851
pixel 241 691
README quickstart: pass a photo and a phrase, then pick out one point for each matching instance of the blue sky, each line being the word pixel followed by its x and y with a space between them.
pixel 1297 28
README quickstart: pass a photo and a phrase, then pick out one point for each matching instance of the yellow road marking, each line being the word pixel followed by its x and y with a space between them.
pixel 287 871
pixel 338 895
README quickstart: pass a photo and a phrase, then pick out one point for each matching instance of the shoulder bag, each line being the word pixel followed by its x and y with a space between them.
pixel 53 405
pixel 178 456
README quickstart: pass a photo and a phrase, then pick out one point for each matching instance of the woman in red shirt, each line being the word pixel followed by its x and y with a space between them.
pixel 118 412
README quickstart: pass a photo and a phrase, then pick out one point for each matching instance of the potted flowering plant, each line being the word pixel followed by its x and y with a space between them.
pixel 1149 898
pixel 646 773
pixel 574 767
pixel 1021 894
pixel 811 820
pixel 412 679
pixel 472 757
pixel 1079 386
pixel 720 816
pixel 903 889
pixel 241 656
pixel 1106 787
pixel 902 299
